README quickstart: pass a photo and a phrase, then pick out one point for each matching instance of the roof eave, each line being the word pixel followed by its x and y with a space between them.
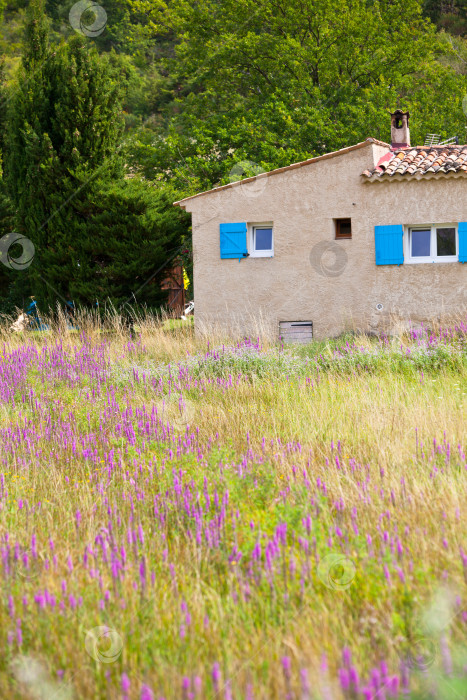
pixel 398 177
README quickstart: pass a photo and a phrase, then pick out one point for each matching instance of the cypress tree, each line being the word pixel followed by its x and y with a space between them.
pixel 132 233
pixel 97 235
pixel 6 207
pixel 64 128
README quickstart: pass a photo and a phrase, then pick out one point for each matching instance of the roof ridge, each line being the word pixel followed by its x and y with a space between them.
pixel 435 145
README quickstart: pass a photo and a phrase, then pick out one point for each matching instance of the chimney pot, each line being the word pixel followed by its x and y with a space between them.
pixel 400 132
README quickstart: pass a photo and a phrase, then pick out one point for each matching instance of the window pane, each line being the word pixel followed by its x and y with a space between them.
pixel 263 239
pixel 421 243
pixel 345 228
pixel 446 241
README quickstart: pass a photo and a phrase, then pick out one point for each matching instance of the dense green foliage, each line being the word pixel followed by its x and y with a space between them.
pixel 188 96
pixel 63 126
pixel 275 82
pixel 449 14
pixel 95 234
pixel 126 268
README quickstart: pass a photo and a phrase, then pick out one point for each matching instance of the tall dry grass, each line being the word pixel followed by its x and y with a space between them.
pixel 373 454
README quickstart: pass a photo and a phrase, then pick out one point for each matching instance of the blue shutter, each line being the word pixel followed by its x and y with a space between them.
pixel 462 230
pixel 389 249
pixel 233 240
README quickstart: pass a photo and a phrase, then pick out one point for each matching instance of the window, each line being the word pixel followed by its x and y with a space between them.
pixel 432 243
pixel 261 243
pixel 343 228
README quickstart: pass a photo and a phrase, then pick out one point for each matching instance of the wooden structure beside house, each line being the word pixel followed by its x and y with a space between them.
pixel 361 238
pixel 174 284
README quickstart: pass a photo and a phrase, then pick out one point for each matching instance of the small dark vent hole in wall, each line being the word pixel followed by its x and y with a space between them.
pixel 343 228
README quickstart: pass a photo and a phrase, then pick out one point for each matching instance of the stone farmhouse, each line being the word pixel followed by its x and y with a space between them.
pixel 359 239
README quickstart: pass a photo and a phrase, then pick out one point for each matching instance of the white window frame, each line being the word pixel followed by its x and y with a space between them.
pixel 251 240
pixel 428 258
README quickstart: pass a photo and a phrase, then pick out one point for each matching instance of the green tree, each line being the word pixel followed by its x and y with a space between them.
pixel 7 300
pixel 450 15
pixel 273 81
pixel 64 128
pixel 96 235
pixel 130 233
pixel 6 206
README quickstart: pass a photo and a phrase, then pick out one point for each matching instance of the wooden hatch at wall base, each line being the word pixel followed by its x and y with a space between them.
pixel 296 331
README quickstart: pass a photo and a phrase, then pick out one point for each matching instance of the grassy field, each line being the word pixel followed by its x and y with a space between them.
pixel 208 518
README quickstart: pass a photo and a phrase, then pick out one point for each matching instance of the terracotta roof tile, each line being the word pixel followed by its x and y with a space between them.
pixel 420 160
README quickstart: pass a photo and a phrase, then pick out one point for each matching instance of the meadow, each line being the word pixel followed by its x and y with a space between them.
pixel 204 517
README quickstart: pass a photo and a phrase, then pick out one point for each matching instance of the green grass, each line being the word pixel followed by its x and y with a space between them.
pixel 335 447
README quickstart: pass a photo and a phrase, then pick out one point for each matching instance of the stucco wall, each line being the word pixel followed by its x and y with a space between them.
pixel 337 289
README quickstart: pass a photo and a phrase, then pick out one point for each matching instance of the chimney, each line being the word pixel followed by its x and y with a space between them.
pixel 400 132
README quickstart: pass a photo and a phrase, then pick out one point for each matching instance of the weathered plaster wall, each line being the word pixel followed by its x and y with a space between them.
pixel 339 288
